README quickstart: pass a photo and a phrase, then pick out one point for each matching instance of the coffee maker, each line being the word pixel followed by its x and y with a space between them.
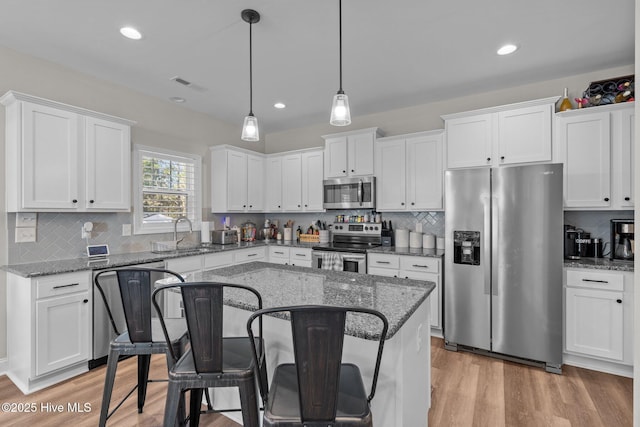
pixel 622 236
pixel 577 242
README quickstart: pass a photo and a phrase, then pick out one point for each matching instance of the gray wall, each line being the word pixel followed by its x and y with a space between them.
pixel 163 124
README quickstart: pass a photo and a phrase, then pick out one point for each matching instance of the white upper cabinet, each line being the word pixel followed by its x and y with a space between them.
pixel 504 135
pixel 350 153
pixel 294 181
pixel 237 180
pixel 409 172
pixel 65 158
pixel 596 147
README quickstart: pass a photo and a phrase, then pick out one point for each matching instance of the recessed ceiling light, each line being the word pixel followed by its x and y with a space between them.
pixel 177 99
pixel 279 105
pixel 507 49
pixel 130 33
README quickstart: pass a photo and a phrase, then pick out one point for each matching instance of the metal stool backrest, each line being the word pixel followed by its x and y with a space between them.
pixel 318 336
pixel 135 293
pixel 203 308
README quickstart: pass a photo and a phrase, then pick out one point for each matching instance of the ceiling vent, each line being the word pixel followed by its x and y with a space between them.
pixel 188 84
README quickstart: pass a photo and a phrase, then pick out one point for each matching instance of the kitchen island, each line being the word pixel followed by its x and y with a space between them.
pixel 403 393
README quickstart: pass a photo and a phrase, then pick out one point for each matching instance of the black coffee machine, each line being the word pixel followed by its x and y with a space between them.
pixel 577 243
pixel 622 237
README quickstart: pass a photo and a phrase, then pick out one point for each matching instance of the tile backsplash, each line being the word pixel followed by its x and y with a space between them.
pixel 58 234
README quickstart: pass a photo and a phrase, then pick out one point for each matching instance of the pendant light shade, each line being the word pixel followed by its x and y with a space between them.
pixel 250 131
pixel 340 113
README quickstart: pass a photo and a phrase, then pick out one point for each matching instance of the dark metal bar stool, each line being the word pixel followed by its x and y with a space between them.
pixel 144 335
pixel 212 360
pixel 318 389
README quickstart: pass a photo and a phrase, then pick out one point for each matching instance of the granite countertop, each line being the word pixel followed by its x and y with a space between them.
pixel 433 253
pixel 284 285
pixel 44 268
pixel 599 264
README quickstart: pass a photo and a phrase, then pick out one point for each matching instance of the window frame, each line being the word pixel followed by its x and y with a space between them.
pixel 138 152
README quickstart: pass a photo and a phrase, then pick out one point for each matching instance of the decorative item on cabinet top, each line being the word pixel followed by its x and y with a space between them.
pixel 610 91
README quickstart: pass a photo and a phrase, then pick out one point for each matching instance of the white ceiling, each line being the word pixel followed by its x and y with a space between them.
pixel 396 53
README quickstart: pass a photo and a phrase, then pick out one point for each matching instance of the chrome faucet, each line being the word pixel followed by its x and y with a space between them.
pixel 175 228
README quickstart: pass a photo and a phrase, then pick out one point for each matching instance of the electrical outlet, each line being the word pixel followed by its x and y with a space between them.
pixel 25 234
pixel 126 229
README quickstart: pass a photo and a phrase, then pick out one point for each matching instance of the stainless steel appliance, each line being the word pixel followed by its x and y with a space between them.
pixel 348 248
pixel 350 193
pixel 622 239
pixel 224 237
pixel 102 330
pixel 503 294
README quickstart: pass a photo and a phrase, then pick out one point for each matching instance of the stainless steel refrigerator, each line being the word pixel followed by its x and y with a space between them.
pixel 503 262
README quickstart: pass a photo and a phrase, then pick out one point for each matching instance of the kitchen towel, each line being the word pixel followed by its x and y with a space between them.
pixel 205 234
pixel 332 261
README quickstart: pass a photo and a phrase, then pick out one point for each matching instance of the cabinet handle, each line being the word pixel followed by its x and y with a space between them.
pixel 383 262
pixel 85 301
pixel 75 200
pixel 626 199
pixel 66 286
pixel 420 266
pixel 90 201
pixel 281 253
pixel 619 301
pixel 252 255
pixel 300 255
pixel 595 281
pixel 606 199
pixel 488 159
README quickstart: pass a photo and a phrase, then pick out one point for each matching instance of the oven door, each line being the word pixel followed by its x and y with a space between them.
pixel 354 262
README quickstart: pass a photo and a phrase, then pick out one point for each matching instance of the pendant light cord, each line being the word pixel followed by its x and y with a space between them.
pixel 250 71
pixel 340 37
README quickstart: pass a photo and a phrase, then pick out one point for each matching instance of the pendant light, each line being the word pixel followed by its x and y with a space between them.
pixel 340 114
pixel 250 131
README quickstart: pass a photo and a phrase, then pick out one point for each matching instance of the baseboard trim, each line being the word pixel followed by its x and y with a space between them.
pixel 4 365
pixel 598 365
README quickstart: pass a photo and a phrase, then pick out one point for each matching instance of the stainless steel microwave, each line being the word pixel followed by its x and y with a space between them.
pixel 350 193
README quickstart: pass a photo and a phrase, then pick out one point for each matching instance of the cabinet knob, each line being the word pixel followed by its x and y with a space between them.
pixel 619 301
pixel 626 199
pixel 85 301
pixel 402 204
pixel 75 201
pixel 488 159
pixel 250 206
pixel 298 205
pixel 306 206
pixel 90 201
pixel 412 203
pixel 344 171
pixel 502 158
pixel 244 206
pixel 606 199
pixel 278 206
pixel 352 170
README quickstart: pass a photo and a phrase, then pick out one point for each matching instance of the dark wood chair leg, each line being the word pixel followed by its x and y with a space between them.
pixel 144 361
pixel 172 403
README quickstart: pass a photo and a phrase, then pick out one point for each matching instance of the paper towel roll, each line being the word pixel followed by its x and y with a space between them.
pixel 402 238
pixel 440 243
pixel 429 241
pixel 205 233
pixel 415 239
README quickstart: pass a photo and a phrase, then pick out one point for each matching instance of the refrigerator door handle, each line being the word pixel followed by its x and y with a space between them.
pixel 486 242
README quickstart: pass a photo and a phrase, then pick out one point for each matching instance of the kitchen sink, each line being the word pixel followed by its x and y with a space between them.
pixel 172 247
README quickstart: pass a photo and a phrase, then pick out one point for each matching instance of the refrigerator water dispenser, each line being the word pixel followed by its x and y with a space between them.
pixel 466 247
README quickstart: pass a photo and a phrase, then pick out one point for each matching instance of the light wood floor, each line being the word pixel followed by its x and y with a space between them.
pixel 468 390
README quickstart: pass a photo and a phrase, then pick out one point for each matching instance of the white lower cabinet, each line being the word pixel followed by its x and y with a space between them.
pixel 290 255
pixel 48 328
pixel 415 268
pixel 598 319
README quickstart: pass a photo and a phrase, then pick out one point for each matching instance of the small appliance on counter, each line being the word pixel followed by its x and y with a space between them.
pixel 577 242
pixel 622 236
pixel 224 237
pixel 248 231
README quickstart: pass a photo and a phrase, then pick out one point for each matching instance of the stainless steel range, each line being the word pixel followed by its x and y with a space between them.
pixel 348 248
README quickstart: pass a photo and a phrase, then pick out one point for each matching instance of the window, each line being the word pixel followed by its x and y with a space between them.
pixel 168 187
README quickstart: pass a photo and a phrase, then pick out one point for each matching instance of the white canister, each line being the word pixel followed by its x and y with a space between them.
pixel 287 234
pixel 415 239
pixel 440 243
pixel 324 236
pixel 429 241
pixel 402 238
pixel 205 233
